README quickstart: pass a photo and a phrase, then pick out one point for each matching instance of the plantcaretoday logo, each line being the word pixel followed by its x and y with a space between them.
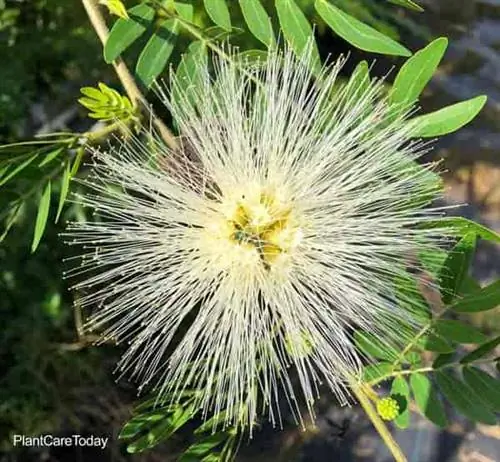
pixel 58 441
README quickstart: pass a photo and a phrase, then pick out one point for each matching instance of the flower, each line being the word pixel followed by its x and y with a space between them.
pixel 240 264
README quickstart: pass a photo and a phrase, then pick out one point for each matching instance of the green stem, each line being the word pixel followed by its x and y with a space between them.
pixel 377 422
pixel 424 370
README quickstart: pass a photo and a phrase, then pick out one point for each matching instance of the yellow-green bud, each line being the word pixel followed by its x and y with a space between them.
pixel 388 408
pixel 301 345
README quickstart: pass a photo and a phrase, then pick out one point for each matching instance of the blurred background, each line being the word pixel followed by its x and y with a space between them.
pixel 52 380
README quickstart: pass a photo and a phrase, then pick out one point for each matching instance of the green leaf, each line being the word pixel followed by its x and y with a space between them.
pixel 483 299
pixel 360 79
pixel 64 189
pixel 410 298
pixel 202 447
pixel 258 21
pixel 156 53
pixel 443 359
pixel 373 346
pixel 462 226
pixel 456 266
pixel 458 331
pixel 187 76
pixel 433 261
pixel 126 31
pixel 448 119
pixel 427 399
pixel 400 389
pixel 218 12
pixel 469 285
pixel 185 11
pixel 106 103
pixel 254 57
pixel 159 427
pixel 484 385
pixel 373 372
pixel 297 31
pixel 357 33
pixel 140 422
pixel 407 4
pixel 214 421
pixel 432 342
pixel 41 217
pixel 50 156
pixel 416 72
pixel 413 358
pixel 481 351
pixel 464 399
pixel 115 7
pixel 18 169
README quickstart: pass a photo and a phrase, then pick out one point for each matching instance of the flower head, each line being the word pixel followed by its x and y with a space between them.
pixel 240 264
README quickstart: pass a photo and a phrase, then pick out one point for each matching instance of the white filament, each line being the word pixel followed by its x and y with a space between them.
pixel 203 311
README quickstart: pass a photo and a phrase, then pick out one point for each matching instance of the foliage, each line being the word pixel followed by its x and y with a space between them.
pixel 451 374
pixel 154 36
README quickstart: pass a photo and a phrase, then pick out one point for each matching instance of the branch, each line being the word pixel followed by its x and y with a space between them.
pixel 377 422
pixel 126 78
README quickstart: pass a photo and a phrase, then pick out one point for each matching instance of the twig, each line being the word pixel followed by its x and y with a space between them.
pixel 126 78
pixel 377 422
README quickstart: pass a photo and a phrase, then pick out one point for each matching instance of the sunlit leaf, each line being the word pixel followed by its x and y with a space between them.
pixel 156 53
pixel 359 82
pixel 218 12
pixel 115 7
pixel 126 31
pixel 184 10
pixel 297 30
pixel 358 33
pixel 187 74
pixel 416 72
pixel 373 372
pixel 427 399
pixel 401 392
pixel 253 57
pixel 105 103
pixel 448 119
pixel 258 21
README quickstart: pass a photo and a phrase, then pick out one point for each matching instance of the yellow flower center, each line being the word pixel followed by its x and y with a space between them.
pixel 257 228
pixel 264 224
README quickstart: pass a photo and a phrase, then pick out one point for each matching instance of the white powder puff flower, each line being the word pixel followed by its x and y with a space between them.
pixel 240 264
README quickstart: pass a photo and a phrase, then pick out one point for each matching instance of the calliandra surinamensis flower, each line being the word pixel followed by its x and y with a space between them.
pixel 240 264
